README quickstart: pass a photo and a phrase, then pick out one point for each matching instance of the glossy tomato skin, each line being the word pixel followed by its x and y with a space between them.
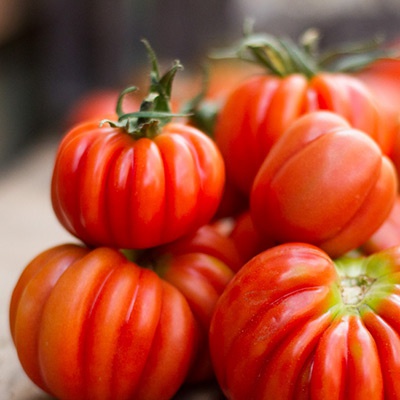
pixel 287 328
pixel 91 324
pixel 199 265
pixel 111 189
pixel 323 183
pixel 260 109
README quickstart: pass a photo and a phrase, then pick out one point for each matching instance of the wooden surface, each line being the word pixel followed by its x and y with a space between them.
pixel 28 227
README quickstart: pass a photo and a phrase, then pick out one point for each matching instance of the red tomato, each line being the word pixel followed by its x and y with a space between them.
pixel 395 154
pixel 207 240
pixel 199 266
pixel 260 109
pixel 383 78
pixel 110 188
pixel 233 202
pixel 387 235
pixel 323 183
pixel 247 239
pixel 293 324
pixel 91 324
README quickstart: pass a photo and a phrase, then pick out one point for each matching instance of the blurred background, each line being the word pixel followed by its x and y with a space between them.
pixel 52 52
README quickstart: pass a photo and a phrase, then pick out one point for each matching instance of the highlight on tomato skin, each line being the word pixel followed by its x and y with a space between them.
pixel 293 323
pixel 323 183
pixel 91 324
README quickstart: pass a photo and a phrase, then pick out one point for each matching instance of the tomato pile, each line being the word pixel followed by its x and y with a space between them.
pixel 253 241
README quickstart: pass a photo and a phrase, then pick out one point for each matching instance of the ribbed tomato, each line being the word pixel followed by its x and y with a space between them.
pixel 109 188
pixel 293 324
pixel 324 183
pixel 199 265
pixel 262 107
pixel 89 324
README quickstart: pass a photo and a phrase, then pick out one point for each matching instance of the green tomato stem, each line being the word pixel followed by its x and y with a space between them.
pixel 155 110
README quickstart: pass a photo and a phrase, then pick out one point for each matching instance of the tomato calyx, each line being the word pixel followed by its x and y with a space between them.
pixel 155 109
pixel 281 56
pixel 357 280
pixel 354 289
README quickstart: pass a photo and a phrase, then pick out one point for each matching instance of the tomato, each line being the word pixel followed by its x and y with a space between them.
pixel 208 240
pixel 111 189
pixel 387 235
pixel 140 181
pixel 247 239
pixel 257 113
pixel 293 324
pixel 91 324
pixel 323 183
pixel 395 154
pixel 233 202
pixel 258 110
pixel 200 266
pixel 383 78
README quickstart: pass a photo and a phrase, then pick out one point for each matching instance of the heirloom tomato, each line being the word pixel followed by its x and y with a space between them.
pixel 247 239
pixel 110 188
pixel 89 324
pixel 200 266
pixel 262 107
pixel 294 324
pixel 324 183
pixel 387 235
pixel 383 78
pixel 140 182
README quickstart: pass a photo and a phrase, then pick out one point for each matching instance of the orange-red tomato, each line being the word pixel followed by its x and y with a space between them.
pixel 383 78
pixel 324 183
pixel 387 235
pixel 260 109
pixel 247 239
pixel 89 324
pixel 199 265
pixel 113 189
pixel 293 324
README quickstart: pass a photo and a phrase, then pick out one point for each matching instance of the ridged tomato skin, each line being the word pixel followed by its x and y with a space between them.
pixel 323 183
pixel 199 265
pixel 111 189
pixel 258 111
pixel 91 324
pixel 294 324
